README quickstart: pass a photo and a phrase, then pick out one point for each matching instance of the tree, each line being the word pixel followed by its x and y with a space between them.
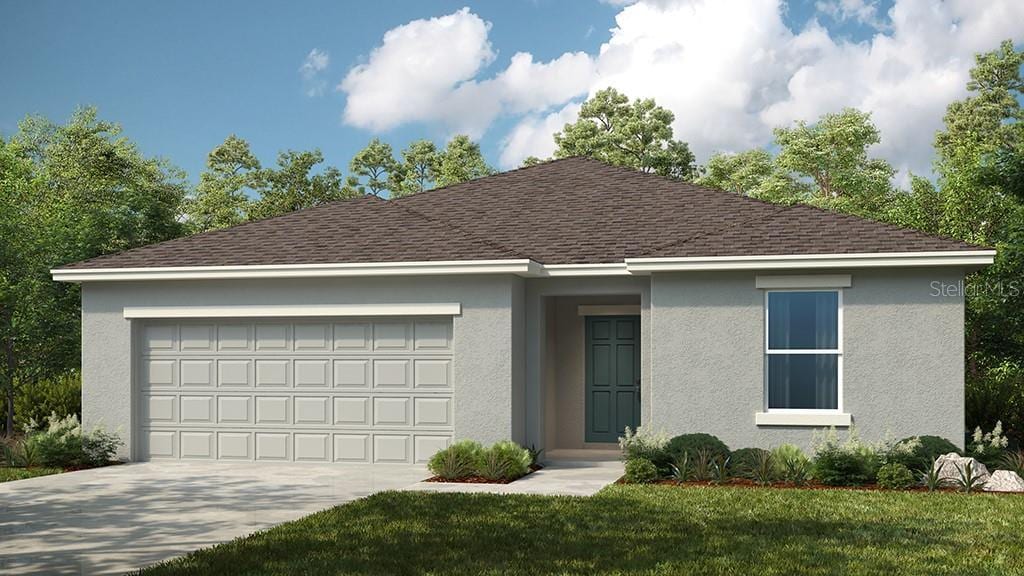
pixel 833 153
pixel 68 192
pixel 223 198
pixel 419 169
pixel 638 135
pixel 753 173
pixel 461 160
pixel 531 161
pixel 293 185
pixel 375 169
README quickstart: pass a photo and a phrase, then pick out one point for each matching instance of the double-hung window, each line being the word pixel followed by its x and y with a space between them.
pixel 803 350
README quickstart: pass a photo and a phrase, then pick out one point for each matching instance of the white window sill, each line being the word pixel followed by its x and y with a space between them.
pixel 797 419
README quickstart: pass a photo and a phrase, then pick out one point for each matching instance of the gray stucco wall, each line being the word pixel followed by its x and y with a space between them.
pixel 483 337
pixel 903 356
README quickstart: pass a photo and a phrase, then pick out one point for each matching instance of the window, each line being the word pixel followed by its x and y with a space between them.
pixel 803 350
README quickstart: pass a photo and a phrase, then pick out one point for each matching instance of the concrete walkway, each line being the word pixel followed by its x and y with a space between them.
pixel 567 478
pixel 120 518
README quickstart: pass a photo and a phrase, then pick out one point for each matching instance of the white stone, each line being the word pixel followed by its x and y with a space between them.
pixel 950 465
pixel 1005 481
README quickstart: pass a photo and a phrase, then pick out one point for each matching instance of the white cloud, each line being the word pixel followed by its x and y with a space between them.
pixel 316 62
pixel 425 71
pixel 730 74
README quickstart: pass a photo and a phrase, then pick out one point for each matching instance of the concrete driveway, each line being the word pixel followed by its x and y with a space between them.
pixel 120 518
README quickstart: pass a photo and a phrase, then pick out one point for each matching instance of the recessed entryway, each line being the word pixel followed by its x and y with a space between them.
pixel 612 376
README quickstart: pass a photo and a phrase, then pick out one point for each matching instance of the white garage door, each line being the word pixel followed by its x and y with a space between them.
pixel 375 390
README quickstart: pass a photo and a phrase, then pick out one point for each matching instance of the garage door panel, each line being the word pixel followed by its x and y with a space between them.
pixel 234 373
pixel 360 390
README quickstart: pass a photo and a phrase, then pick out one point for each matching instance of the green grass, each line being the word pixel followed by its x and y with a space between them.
pixel 638 530
pixel 8 474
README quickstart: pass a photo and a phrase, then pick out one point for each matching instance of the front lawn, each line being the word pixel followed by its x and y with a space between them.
pixel 8 474
pixel 638 530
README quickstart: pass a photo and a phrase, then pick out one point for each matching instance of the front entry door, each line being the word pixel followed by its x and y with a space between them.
pixel 613 376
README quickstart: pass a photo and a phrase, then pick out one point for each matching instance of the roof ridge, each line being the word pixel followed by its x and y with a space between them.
pixel 492 176
pixel 458 230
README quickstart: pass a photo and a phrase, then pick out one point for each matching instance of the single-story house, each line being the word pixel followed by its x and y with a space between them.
pixel 554 305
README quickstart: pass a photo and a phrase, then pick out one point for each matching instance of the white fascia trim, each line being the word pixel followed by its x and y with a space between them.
pixel 605 269
pixel 277 311
pixel 799 261
pixel 797 419
pixel 523 267
pixel 803 281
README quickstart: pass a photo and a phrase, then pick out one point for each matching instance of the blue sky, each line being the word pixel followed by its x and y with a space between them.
pixel 181 76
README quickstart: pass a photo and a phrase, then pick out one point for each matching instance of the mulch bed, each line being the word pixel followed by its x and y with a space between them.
pixel 747 483
pixel 481 479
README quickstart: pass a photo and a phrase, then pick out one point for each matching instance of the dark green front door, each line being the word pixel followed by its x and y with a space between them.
pixel 613 376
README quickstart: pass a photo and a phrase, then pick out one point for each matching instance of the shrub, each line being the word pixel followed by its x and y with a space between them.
pixel 745 460
pixel 646 445
pixel 456 461
pixel 848 463
pixel 895 476
pixel 969 479
pixel 720 470
pixel 680 470
pixel 791 464
pixel 701 465
pixel 931 478
pixel 693 443
pixel 641 471
pixel 503 461
pixel 1013 461
pixel 61 395
pixel 919 452
pixel 63 444
pixel 987 448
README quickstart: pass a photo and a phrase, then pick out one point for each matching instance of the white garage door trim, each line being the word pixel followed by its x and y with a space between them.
pixel 294 389
pixel 299 311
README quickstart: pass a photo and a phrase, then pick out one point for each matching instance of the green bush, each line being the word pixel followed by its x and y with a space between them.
pixel 895 476
pixel 61 395
pixel 504 460
pixel 918 452
pixel 641 471
pixel 646 445
pixel 63 444
pixel 848 463
pixel 791 464
pixel 456 461
pixel 745 460
pixel 691 444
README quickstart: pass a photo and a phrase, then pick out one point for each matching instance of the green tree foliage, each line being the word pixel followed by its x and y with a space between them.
pixel 420 165
pixel 460 161
pixel 754 173
pixel 68 192
pixel 223 198
pixel 293 185
pixel 374 170
pixel 636 134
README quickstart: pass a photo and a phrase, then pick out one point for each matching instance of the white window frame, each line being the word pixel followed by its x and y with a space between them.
pixel 838 351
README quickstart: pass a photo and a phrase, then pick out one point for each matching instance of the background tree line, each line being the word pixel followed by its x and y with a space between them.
pixel 81 189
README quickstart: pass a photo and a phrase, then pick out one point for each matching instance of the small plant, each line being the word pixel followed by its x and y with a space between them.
pixel 762 472
pixel 691 443
pixel 456 461
pixel 895 476
pixel 987 448
pixel 931 478
pixel 504 460
pixel 719 469
pixel 744 460
pixel 680 469
pixel 702 465
pixel 848 463
pixel 791 464
pixel 535 454
pixel 968 478
pixel 61 443
pixel 1013 461
pixel 641 471
pixel 646 445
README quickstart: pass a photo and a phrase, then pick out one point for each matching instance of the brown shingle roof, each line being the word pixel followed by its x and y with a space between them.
pixel 570 211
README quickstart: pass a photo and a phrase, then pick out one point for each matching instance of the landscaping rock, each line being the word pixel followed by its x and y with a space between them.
pixel 1005 481
pixel 950 465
